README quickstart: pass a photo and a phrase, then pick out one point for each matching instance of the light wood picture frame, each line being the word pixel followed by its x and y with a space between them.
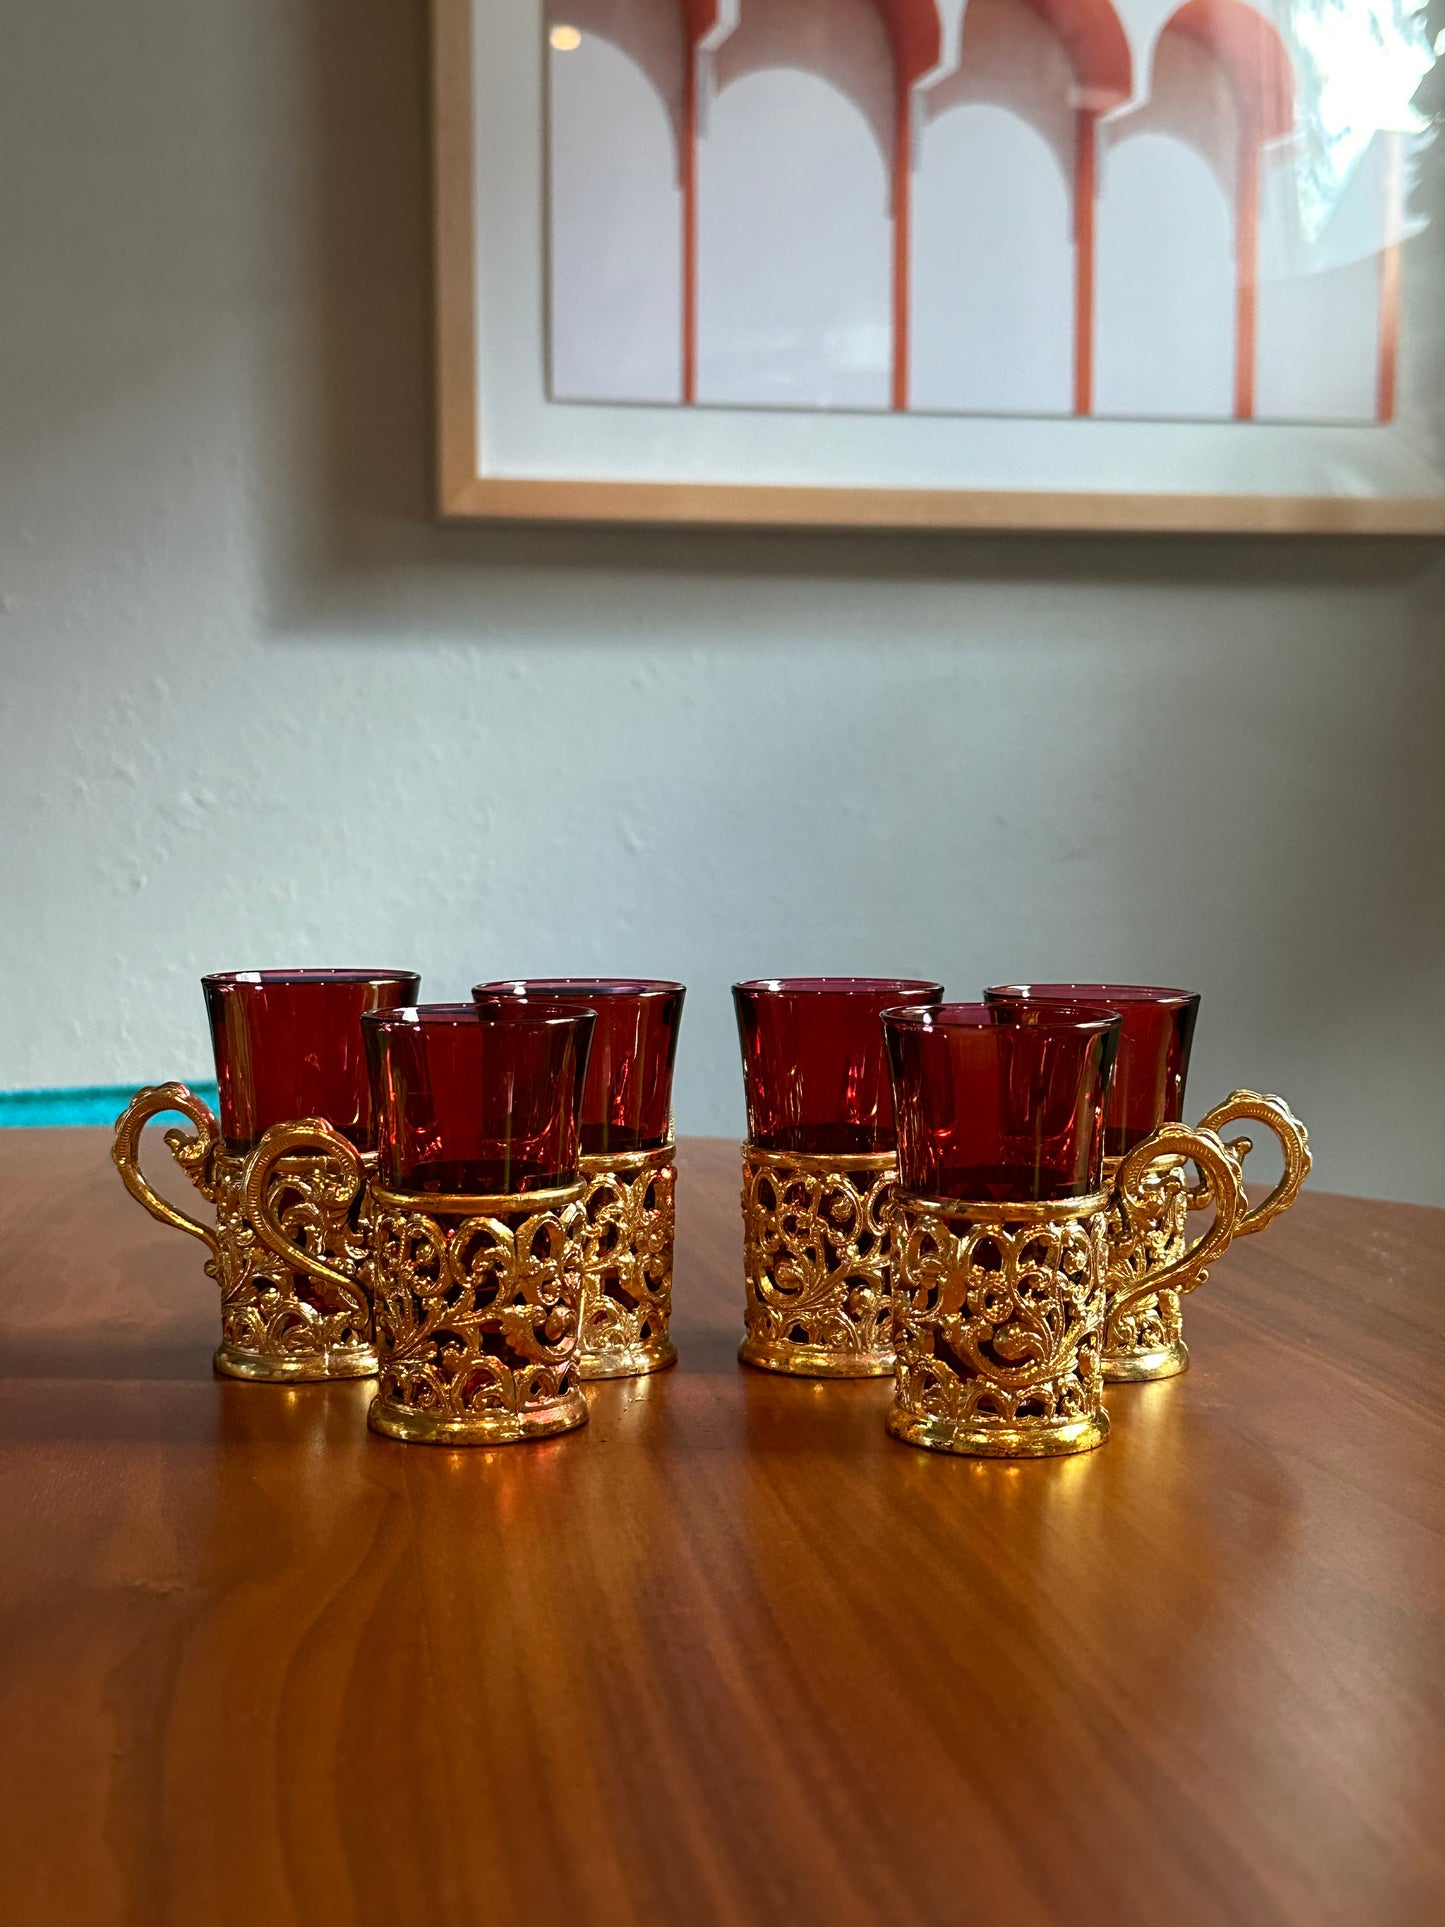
pixel 509 449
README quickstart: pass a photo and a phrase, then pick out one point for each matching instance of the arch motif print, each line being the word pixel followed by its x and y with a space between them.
pixel 955 207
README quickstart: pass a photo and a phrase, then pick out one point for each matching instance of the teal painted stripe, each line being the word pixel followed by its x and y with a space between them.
pixel 92 1104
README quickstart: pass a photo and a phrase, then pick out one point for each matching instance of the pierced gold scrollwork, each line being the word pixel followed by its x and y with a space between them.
pixel 627 1276
pixel 277 1322
pixel 272 1310
pixel 816 1241
pixel 998 1315
pixel 477 1304
pixel 1257 1107
pixel 1152 1265
pixel 1147 1234
pixel 195 1152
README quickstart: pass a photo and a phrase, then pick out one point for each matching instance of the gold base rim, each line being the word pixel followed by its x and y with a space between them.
pixel 478 1204
pixel 819 1163
pixel 1136 1368
pixel 264 1368
pixel 563 1414
pixel 813 1361
pixel 606 1164
pixel 1001 1441
pixel 592 1366
pixel 984 1210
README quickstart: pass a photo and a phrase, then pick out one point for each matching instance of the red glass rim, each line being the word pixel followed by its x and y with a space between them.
pixel 289 1044
pixel 537 1012
pixel 627 1097
pixel 640 988
pixel 837 986
pixel 1001 1103
pixel 1157 1032
pixel 1077 1018
pixel 1096 993
pixel 815 1065
pixel 478 1099
pixel 224 979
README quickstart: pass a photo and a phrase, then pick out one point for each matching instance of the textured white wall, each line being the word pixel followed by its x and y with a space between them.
pixel 258 709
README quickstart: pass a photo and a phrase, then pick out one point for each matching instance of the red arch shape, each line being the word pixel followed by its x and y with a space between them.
pixel 915 35
pixel 913 31
pixel 1256 63
pixel 917 41
pixel 1093 38
pixel 1254 58
pixel 1097 45
pixel 1099 50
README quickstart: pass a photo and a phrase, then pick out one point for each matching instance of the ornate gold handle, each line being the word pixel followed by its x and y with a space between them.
pixel 315 1137
pixel 1221 1184
pixel 1294 1142
pixel 193 1154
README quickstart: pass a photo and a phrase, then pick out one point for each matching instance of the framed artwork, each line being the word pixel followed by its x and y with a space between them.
pixel 1065 264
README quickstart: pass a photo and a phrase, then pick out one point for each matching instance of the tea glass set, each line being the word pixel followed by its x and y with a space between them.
pixel 474 1203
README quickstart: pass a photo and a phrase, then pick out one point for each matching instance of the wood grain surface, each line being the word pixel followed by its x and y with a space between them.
pixel 729 1654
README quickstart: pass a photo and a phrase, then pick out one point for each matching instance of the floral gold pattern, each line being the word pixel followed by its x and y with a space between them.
pixel 1147 1233
pixel 476 1300
pixel 998 1316
pixel 627 1276
pixel 477 1305
pixel 1149 1237
pixel 278 1320
pixel 816 1254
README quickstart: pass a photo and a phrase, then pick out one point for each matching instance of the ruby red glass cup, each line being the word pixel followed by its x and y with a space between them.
pixel 1001 1104
pixel 1155 1036
pixel 478 1098
pixel 627 1099
pixel 814 1066
pixel 287 1045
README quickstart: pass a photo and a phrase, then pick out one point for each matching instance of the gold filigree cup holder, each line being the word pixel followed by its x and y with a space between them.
pixel 998 1318
pixel 280 1322
pixel 1152 1265
pixel 476 1301
pixel 627 1277
pixel 478 1304
pixel 816 1239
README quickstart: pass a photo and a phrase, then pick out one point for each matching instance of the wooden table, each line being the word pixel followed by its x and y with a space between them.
pixel 730 1654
